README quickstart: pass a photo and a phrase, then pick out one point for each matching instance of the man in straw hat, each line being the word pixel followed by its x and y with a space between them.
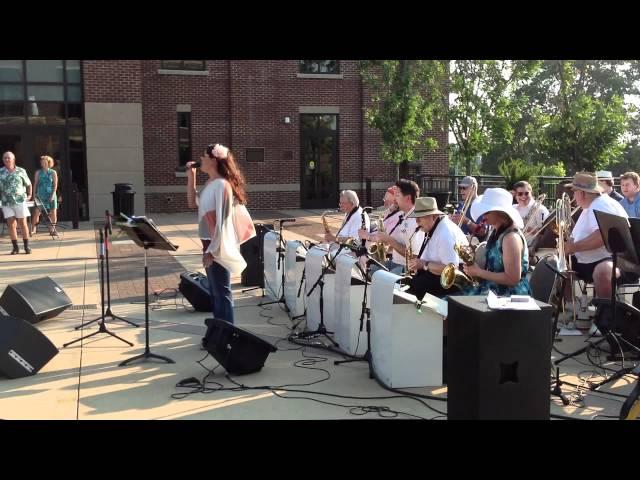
pixel 605 180
pixel 589 258
pixel 436 251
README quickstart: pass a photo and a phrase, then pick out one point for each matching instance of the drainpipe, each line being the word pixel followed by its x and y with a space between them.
pixel 230 103
pixel 362 179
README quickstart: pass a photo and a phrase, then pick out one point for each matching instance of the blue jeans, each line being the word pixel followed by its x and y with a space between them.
pixel 220 291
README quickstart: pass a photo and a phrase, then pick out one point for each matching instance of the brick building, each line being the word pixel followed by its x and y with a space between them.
pixel 296 128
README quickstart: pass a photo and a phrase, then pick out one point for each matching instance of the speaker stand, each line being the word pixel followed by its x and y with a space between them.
pixel 147 351
pixel 102 328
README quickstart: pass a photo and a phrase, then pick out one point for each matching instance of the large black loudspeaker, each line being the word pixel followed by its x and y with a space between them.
pixel 195 288
pixel 252 253
pixel 237 350
pixel 24 350
pixel 498 361
pixel 35 300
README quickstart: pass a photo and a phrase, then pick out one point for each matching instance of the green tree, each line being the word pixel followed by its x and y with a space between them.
pixel 486 104
pixel 405 104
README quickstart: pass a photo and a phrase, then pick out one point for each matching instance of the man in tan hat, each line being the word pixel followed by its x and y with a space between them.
pixel 605 180
pixel 436 250
pixel 590 259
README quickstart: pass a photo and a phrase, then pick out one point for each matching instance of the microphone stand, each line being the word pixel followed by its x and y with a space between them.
pixel 280 250
pixel 322 330
pixel 367 357
pixel 108 231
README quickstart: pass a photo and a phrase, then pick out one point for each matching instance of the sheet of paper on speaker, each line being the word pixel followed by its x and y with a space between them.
pixel 516 302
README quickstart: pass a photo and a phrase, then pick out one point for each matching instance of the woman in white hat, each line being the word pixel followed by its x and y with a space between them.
pixel 507 259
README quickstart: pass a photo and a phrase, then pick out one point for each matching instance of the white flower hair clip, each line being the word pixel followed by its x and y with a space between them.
pixel 220 151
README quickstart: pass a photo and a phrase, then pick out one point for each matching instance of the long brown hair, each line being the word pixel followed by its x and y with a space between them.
pixel 228 169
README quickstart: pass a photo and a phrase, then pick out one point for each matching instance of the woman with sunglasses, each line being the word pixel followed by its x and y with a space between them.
pixel 223 223
pixel 525 201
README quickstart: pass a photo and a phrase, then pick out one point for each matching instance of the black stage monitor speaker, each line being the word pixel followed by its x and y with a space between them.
pixel 237 350
pixel 251 251
pixel 35 300
pixel 498 361
pixel 194 286
pixel 24 350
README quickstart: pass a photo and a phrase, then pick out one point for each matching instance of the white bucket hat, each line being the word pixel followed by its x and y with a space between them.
pixel 496 200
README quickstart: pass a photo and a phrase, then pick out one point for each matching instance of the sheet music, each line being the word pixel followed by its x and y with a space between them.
pixel 515 302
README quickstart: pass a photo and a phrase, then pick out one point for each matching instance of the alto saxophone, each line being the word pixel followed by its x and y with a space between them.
pixel 408 252
pixel 378 250
pixel 324 220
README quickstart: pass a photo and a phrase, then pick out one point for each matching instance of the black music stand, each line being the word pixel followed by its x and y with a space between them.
pixel 107 234
pixel 146 235
pixel 616 234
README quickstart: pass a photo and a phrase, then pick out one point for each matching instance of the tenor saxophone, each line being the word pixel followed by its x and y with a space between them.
pixel 408 252
pixel 324 220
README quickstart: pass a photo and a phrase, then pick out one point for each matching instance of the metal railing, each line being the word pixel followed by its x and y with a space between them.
pixel 438 185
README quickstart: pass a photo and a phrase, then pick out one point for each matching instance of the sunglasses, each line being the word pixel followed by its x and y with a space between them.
pixel 463 188
pixel 522 194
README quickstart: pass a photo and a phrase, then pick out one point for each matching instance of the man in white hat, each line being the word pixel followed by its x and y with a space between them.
pixel 605 180
pixel 436 251
pixel 590 259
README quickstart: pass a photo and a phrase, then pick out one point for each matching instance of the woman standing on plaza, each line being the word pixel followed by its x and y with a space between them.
pixel 223 223
pixel 46 187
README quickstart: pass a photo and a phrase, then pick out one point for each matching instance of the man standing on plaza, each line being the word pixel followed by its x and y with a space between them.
pixel 15 188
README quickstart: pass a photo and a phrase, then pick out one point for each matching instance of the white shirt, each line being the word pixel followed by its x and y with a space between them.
pixel 403 233
pixel 541 216
pixel 440 246
pixel 587 224
pixel 350 229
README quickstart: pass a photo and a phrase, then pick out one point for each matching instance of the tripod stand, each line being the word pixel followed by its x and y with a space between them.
pixel 103 328
pixel 322 329
pixel 44 214
pixel 145 234
pixel 108 231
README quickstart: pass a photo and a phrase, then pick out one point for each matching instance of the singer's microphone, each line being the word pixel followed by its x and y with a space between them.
pixel 183 168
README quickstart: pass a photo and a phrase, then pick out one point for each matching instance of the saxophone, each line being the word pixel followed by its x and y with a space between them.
pixel 408 252
pixel 378 250
pixel 324 220
pixel 451 276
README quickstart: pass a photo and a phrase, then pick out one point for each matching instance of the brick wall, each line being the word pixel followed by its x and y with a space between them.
pixel 243 104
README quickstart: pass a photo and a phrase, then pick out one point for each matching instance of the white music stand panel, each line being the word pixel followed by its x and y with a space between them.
pixel 406 345
pixel 348 307
pixel 295 253
pixel 272 274
pixel 313 263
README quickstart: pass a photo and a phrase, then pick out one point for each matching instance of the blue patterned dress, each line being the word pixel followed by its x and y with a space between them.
pixel 45 189
pixel 495 264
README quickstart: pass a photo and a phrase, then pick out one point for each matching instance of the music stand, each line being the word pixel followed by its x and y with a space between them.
pixel 145 234
pixel 280 249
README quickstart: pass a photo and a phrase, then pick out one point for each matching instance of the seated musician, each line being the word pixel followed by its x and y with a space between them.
pixel 630 185
pixel 507 258
pixel 353 215
pixel 589 258
pixel 605 180
pixel 403 230
pixel 436 250
pixel 533 220
pixel 468 187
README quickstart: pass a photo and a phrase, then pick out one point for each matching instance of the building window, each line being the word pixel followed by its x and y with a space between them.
pixel 197 65
pixel 319 66
pixel 254 154
pixel 184 137
pixel 40 92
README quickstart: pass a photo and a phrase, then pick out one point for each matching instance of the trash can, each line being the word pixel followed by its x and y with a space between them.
pixel 442 198
pixel 123 199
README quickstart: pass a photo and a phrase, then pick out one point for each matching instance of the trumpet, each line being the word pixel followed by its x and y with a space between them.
pixel 467 203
